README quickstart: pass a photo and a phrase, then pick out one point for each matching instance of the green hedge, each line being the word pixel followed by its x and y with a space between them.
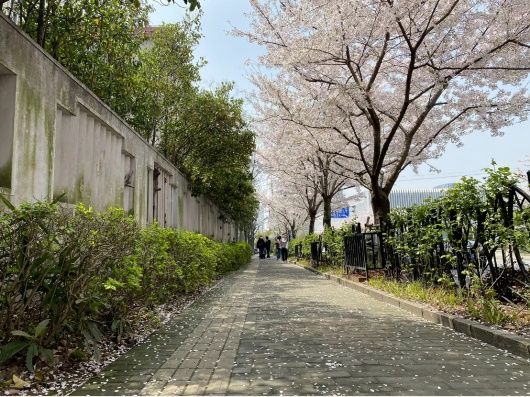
pixel 85 273
pixel 332 239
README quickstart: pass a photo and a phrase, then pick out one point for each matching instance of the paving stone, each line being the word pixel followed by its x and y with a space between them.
pixel 217 386
pixel 190 363
pixel 171 364
pixel 174 387
pixel 153 388
pixel 206 363
pixel 194 390
pixel 163 374
pixel 292 332
pixel 201 375
pixel 183 374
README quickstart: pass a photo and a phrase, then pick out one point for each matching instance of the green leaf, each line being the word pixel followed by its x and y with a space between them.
pixel 23 334
pixel 46 355
pixel 7 203
pixel 41 327
pixel 32 352
pixel 95 332
pixel 9 350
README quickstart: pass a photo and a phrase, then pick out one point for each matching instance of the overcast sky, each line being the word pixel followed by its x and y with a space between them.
pixel 227 56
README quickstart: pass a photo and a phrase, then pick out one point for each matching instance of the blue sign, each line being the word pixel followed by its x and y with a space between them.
pixel 341 213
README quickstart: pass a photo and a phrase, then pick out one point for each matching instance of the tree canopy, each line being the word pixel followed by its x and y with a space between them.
pixel 387 84
pixel 203 132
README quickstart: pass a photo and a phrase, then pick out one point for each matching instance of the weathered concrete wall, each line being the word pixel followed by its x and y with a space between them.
pixel 57 137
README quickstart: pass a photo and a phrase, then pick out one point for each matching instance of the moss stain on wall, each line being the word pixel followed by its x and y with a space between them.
pixel 118 200
pixel 5 175
pixel 30 108
pixel 49 131
pixel 181 211
pixel 77 196
pixel 140 207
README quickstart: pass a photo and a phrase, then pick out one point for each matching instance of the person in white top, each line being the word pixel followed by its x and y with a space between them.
pixel 284 245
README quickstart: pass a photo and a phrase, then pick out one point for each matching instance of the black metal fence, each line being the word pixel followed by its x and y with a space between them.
pixel 494 258
pixel 473 242
pixel 451 253
pixel 364 252
pixel 316 252
pixel 298 251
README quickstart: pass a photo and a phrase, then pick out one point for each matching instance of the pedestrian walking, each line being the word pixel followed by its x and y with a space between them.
pixel 284 245
pixel 268 246
pixel 278 249
pixel 260 245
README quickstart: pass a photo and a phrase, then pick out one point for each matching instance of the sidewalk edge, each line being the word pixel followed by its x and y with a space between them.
pixel 503 340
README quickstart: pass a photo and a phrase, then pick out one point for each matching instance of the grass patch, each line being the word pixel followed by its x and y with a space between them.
pixel 486 309
pixel 333 270
pixel 440 297
pixel 328 269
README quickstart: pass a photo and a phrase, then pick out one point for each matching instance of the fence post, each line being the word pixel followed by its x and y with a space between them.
pixel 382 249
pixel 319 250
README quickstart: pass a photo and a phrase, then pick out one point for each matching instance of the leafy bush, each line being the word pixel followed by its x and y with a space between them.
pixel 84 273
pixel 470 227
pixel 53 263
pixel 332 241
pixel 232 256
pixel 194 255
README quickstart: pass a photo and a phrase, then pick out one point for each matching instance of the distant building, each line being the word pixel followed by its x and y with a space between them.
pixel 361 210
pixel 148 32
pixel 404 198
pixel 399 198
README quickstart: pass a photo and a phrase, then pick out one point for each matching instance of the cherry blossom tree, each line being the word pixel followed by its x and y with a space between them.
pixel 389 83
pixel 296 162
pixel 286 211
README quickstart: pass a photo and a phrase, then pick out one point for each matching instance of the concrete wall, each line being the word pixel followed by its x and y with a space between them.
pixel 57 138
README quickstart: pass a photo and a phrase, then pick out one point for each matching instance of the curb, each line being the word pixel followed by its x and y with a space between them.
pixel 503 340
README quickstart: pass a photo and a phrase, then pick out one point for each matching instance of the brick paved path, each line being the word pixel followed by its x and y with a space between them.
pixel 279 329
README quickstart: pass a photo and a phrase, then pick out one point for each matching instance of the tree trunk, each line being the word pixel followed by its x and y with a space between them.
pixel 327 211
pixel 312 218
pixel 380 204
pixel 292 226
pixel 41 23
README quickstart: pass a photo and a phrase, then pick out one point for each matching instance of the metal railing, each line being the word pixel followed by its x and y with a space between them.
pixel 364 252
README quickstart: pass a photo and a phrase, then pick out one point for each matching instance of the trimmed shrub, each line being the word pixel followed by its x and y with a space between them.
pixel 84 273
pixel 53 264
pixel 232 256
pixel 195 257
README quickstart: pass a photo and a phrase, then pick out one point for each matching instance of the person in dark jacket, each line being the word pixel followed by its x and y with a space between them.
pixel 268 246
pixel 260 245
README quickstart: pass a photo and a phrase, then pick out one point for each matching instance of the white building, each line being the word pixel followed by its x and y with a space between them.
pixel 360 210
